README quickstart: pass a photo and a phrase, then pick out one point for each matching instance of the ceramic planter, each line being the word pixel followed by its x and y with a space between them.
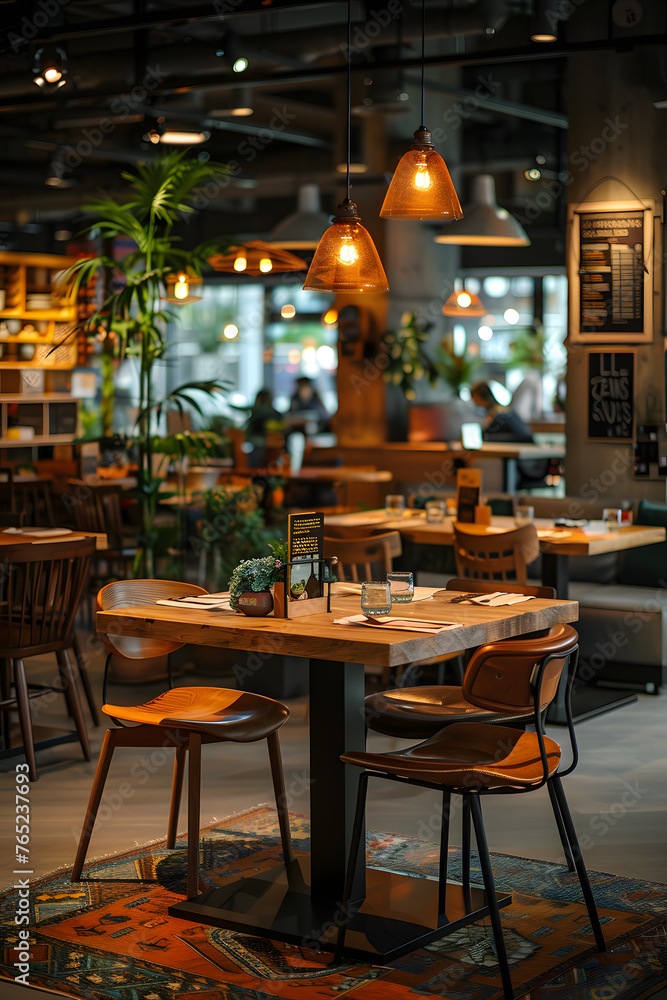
pixel 255 604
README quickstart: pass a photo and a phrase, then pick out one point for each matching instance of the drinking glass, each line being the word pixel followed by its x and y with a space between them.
pixel 394 505
pixel 523 515
pixel 376 597
pixel 612 518
pixel 435 511
pixel 402 586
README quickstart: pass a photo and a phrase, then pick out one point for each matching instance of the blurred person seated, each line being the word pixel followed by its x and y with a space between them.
pixel 500 423
pixel 306 411
pixel 264 420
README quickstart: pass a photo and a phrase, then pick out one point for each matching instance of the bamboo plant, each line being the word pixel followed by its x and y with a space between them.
pixel 132 315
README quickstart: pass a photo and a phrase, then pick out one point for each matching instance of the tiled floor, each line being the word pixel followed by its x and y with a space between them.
pixel 618 794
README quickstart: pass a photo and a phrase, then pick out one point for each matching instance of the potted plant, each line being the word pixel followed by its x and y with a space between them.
pixel 250 586
pixel 131 321
pixel 406 357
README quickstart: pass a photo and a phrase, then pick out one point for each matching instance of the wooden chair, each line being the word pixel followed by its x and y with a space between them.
pixel 183 717
pixel 11 518
pixel 98 509
pixel 495 556
pixel 472 759
pixel 40 591
pixel 373 556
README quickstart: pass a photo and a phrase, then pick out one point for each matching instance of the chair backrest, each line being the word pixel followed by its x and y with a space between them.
pixel 130 593
pixel 40 589
pixel 11 518
pixel 7 491
pixel 495 555
pixel 488 587
pixel 355 554
pixel 501 676
pixel 97 508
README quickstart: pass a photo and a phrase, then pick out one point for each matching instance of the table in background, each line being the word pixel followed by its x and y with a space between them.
pixel 292 904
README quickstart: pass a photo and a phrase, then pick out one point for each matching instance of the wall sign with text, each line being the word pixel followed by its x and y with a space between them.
pixel 610 273
pixel 610 391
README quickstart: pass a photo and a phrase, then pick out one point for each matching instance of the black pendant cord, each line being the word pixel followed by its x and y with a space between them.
pixel 423 126
pixel 349 91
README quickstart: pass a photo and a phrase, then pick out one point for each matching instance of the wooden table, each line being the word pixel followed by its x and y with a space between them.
pixel 300 903
pixel 556 545
pixel 10 537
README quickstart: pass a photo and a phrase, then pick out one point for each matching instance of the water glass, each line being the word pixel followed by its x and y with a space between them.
pixel 612 518
pixel 394 505
pixel 523 515
pixel 376 597
pixel 435 511
pixel 402 586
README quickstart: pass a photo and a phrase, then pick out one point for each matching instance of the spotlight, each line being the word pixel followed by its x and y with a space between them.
pixel 543 24
pixel 240 65
pixel 50 67
pixel 533 174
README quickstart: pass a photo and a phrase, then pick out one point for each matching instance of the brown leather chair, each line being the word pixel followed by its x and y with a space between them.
pixel 40 592
pixel 183 717
pixel 495 556
pixel 473 759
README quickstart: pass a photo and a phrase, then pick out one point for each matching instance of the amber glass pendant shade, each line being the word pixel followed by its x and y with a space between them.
pixel 463 304
pixel 421 187
pixel 346 259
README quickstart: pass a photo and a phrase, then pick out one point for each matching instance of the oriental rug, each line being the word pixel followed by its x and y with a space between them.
pixel 110 937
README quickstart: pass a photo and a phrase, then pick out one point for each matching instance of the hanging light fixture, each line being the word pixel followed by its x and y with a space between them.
pixel 485 223
pixel 178 288
pixel 346 259
pixel 543 22
pixel 303 229
pixel 462 303
pixel 421 187
pixel 256 258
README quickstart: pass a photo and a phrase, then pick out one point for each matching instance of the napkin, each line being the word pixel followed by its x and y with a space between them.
pixel 500 599
pixel 199 602
pixel 38 532
pixel 403 624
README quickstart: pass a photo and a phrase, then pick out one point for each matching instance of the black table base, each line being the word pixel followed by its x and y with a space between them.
pixel 399 913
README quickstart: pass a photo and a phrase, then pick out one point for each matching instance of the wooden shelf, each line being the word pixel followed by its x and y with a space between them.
pixel 37 441
pixel 63 315
pixel 37 397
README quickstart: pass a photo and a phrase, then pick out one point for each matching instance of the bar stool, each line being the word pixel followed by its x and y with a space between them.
pixel 183 717
pixel 473 759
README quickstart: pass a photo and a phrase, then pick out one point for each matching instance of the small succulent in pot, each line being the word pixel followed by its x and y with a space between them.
pixel 253 576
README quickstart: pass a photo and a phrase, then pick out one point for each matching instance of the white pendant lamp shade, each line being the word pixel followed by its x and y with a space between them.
pixel 303 229
pixel 484 223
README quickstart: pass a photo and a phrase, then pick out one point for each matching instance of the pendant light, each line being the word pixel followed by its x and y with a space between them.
pixel 463 303
pixel 178 288
pixel 485 223
pixel 255 258
pixel 303 229
pixel 346 259
pixel 421 187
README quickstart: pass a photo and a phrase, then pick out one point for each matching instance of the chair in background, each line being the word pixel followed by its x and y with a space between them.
pixel 495 556
pixel 183 717
pixel 40 592
pixel 473 759
pixel 373 555
pixel 97 508
pixel 11 519
pixel 30 496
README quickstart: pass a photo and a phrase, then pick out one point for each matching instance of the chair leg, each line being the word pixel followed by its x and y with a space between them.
pixel 25 720
pixel 85 680
pixel 444 855
pixel 357 834
pixel 465 850
pixel 106 753
pixel 176 789
pixel 72 696
pixel 194 793
pixel 490 889
pixel 278 777
pixel 5 692
pixel 567 851
pixel 579 863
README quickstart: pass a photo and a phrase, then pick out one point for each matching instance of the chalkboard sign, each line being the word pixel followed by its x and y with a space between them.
pixel 610 390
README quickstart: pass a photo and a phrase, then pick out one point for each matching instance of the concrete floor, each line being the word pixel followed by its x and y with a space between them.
pixel 618 794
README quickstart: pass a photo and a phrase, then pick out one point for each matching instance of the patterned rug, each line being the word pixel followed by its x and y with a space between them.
pixel 111 938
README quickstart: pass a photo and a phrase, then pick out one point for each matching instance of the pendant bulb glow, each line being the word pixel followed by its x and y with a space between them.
pixel 422 178
pixel 181 288
pixel 240 264
pixel 265 265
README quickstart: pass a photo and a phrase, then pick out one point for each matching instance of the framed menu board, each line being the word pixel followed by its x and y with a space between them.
pixel 610 390
pixel 610 273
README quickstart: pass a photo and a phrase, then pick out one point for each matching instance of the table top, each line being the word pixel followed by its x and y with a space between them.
pixel 323 473
pixel 15 537
pixel 317 637
pixel 592 539
pixel 489 449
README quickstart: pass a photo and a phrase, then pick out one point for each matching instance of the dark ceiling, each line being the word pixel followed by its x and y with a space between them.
pixel 497 97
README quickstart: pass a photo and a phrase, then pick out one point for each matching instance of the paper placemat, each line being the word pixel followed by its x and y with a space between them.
pixel 420 594
pixel 500 599
pixel 401 624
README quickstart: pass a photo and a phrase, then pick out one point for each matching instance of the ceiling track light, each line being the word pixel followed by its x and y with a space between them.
pixel 346 259
pixel 544 22
pixel 50 67
pixel 421 187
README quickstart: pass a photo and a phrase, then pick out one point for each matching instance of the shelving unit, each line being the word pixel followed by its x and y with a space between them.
pixel 28 399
